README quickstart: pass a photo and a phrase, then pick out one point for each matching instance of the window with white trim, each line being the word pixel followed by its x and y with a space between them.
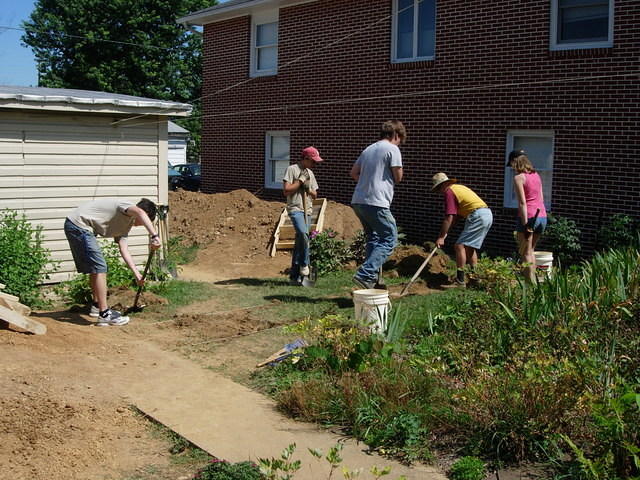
pixel 581 24
pixel 414 30
pixel 276 158
pixel 538 145
pixel 264 44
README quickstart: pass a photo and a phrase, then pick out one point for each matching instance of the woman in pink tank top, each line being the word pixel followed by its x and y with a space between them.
pixel 532 216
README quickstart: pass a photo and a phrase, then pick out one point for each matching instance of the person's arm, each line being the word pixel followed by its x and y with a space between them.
pixel 143 218
pixel 355 172
pixel 123 246
pixel 289 188
pixel 518 185
pixel 397 174
pixel 448 221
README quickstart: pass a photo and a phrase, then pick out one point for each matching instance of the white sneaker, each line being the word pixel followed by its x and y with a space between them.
pixel 94 312
pixel 112 317
pixel 304 271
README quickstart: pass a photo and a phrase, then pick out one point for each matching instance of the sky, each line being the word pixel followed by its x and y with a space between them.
pixel 18 63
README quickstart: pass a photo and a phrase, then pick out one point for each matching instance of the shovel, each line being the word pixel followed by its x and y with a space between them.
pixel 138 308
pixel 308 280
pixel 415 275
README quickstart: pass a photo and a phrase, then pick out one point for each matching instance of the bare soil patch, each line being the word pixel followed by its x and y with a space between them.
pixel 406 259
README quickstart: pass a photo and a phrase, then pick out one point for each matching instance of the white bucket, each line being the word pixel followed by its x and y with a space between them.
pixel 544 265
pixel 372 308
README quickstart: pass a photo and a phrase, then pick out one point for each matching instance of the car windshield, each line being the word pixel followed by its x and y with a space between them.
pixel 195 169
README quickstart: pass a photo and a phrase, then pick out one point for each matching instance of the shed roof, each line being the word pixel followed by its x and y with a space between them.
pixel 176 129
pixel 86 100
pixel 234 8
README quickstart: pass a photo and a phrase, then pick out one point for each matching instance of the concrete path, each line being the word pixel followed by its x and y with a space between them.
pixel 232 422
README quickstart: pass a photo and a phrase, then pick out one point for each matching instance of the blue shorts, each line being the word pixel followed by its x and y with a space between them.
pixel 85 249
pixel 539 227
pixel 476 227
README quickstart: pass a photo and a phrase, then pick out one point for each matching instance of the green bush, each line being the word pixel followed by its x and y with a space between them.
pixel 468 468
pixel 328 253
pixel 562 236
pixel 78 289
pixel 223 470
pixel 357 247
pixel 620 231
pixel 23 259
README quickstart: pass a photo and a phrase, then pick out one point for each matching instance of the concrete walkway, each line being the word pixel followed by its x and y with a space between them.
pixel 234 423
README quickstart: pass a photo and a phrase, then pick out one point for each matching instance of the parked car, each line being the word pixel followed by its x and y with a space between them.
pixel 175 178
pixel 190 176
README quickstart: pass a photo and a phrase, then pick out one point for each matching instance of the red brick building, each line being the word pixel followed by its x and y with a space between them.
pixel 470 80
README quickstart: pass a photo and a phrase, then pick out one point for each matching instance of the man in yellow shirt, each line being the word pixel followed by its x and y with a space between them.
pixel 461 201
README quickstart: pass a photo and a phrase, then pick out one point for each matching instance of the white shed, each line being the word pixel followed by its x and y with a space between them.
pixel 177 144
pixel 60 148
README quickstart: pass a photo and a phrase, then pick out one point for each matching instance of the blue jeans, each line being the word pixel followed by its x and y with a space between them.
pixel 382 237
pixel 85 249
pixel 300 255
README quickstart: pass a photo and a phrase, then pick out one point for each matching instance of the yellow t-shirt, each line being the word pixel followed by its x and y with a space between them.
pixel 467 200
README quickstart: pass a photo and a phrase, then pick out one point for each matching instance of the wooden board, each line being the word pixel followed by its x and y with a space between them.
pixel 15 306
pixel 17 320
pixel 13 298
pixel 284 236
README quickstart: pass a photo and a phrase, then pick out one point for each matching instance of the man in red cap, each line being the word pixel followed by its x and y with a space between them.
pixel 299 180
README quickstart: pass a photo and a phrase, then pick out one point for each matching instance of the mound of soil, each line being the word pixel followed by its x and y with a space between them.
pixel 122 298
pixel 406 259
pixel 220 325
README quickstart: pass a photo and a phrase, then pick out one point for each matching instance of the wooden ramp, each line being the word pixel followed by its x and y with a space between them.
pixel 285 235
pixel 17 314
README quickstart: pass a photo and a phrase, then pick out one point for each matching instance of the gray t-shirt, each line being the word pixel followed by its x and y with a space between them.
pixel 294 201
pixel 104 217
pixel 375 185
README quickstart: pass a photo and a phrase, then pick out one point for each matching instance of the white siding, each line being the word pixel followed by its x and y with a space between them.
pixel 177 151
pixel 51 162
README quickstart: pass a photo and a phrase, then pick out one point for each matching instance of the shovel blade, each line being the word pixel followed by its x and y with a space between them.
pixel 308 282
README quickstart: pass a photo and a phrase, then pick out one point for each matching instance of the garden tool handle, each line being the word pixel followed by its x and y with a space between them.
pixel 144 276
pixel 415 275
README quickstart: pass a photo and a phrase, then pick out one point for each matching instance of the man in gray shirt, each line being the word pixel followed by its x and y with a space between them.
pixel 377 170
pixel 110 218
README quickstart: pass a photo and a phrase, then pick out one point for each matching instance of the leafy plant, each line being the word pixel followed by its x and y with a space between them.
pixel 328 253
pixel 468 468
pixel 223 470
pixel 24 261
pixel 563 237
pixel 621 231
pixel 358 247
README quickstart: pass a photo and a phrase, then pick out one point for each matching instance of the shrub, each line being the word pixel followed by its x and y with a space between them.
pixel 621 231
pixel 358 246
pixel 223 470
pixel 328 253
pixel 563 237
pixel 24 260
pixel 468 468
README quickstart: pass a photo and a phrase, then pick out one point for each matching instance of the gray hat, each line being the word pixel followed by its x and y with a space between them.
pixel 440 178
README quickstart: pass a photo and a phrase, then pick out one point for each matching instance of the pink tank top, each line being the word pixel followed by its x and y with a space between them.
pixel 533 195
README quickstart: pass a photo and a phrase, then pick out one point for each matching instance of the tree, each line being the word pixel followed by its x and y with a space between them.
pixel 132 47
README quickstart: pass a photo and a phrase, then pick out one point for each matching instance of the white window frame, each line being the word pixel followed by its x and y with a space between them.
pixel 256 20
pixel 394 35
pixel 555 45
pixel 508 198
pixel 277 182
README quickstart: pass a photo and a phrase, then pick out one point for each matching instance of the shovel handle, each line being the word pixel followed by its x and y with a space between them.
pixel 144 276
pixel 415 275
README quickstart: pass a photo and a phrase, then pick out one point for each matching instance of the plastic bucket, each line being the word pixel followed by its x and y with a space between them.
pixel 372 308
pixel 544 265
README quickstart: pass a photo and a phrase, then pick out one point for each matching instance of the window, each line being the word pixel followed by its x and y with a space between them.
pixel 264 44
pixel 276 158
pixel 539 147
pixel 414 30
pixel 581 24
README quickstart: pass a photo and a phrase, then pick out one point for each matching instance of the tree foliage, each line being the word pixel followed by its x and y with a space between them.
pixel 131 47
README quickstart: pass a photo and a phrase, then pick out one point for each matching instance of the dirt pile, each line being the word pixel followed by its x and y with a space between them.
pixel 122 298
pixel 406 259
pixel 341 219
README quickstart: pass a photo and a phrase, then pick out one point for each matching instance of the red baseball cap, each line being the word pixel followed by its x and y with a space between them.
pixel 312 153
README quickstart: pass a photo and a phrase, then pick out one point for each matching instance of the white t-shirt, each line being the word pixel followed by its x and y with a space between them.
pixel 294 201
pixel 375 185
pixel 105 217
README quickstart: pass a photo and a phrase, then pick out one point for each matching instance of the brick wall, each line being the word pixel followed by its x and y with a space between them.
pixel 493 72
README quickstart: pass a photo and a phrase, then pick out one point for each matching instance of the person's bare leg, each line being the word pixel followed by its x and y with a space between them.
pixel 472 256
pixel 98 283
pixel 525 247
pixel 461 261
